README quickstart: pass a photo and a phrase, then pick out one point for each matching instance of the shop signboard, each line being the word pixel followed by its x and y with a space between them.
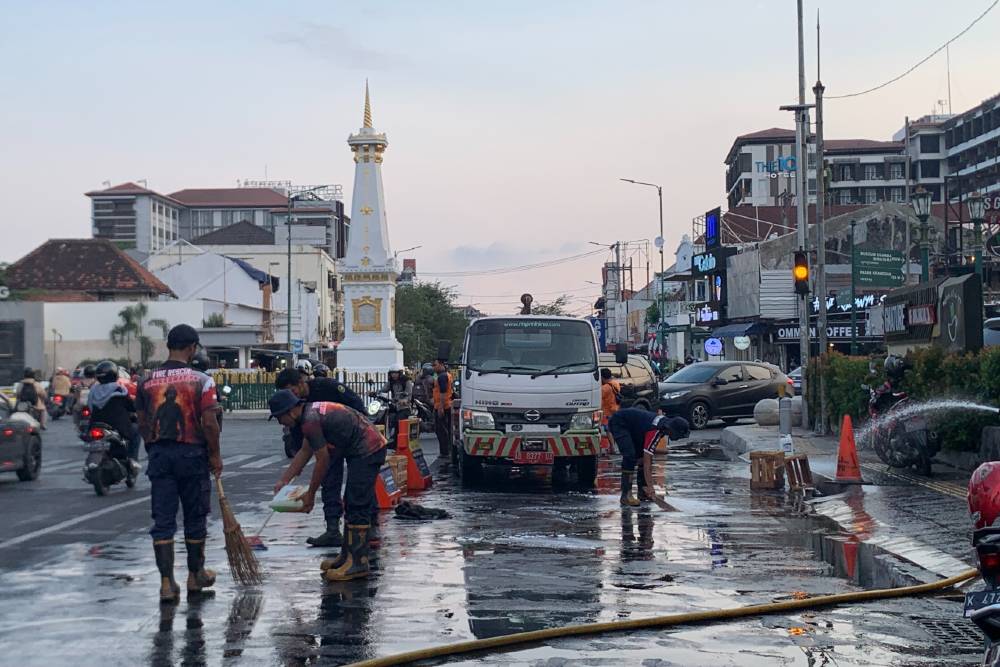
pixel 960 314
pixel 713 347
pixel 789 334
pixel 879 268
pixel 741 342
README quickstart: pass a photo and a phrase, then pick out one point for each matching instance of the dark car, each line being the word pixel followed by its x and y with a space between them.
pixel 637 379
pixel 726 390
pixel 20 443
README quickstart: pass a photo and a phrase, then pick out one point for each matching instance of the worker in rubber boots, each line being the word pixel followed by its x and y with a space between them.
pixel 177 407
pixel 637 433
pixel 443 394
pixel 328 429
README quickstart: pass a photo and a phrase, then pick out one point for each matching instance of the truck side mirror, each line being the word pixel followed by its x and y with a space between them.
pixel 621 355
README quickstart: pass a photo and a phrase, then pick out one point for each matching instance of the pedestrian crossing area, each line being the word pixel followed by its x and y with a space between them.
pixel 247 462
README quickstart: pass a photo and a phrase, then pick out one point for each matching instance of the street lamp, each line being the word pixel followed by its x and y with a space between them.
pixel 921 200
pixel 288 226
pixel 397 253
pixel 977 210
pixel 659 244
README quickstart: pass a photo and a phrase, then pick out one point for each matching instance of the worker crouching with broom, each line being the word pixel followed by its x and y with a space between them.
pixel 328 428
pixel 177 407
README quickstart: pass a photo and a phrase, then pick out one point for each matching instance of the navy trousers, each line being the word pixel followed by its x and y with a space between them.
pixel 359 496
pixel 179 476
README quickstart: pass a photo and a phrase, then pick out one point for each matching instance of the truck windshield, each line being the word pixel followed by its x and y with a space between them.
pixel 527 346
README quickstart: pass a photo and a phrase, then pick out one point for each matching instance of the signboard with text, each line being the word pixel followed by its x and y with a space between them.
pixel 879 268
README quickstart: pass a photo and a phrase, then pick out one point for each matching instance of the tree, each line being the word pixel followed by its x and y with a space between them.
pixel 132 325
pixel 426 314
pixel 653 314
pixel 215 320
pixel 557 307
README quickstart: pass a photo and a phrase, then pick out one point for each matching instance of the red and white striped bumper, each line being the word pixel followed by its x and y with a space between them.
pixel 506 446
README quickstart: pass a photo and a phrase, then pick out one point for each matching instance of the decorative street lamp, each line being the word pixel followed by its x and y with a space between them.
pixel 977 210
pixel 921 200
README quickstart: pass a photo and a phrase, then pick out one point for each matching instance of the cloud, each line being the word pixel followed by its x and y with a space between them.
pixel 337 45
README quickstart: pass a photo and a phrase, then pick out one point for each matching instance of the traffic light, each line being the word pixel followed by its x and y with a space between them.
pixel 800 272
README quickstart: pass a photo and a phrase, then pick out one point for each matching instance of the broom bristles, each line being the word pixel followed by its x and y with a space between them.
pixel 242 561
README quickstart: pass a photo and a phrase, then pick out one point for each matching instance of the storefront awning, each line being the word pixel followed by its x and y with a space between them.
pixel 741 329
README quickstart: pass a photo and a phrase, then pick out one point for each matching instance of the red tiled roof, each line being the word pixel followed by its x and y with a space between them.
pixel 87 266
pixel 128 188
pixel 234 197
pixel 53 296
pixel 854 145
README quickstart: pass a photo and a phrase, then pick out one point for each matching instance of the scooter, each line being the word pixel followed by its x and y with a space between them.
pixel 57 406
pixel 426 415
pixel 382 410
pixel 901 442
pixel 106 463
pixel 983 607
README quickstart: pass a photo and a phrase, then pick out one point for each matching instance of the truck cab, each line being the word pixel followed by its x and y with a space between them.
pixel 531 396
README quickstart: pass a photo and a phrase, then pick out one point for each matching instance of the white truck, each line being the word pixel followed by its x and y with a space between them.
pixel 530 395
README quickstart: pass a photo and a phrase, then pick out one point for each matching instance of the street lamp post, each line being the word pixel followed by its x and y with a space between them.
pixel 921 201
pixel 660 244
pixel 977 211
pixel 288 226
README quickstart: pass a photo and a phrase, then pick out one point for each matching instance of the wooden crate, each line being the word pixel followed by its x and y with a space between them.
pixel 767 470
pixel 398 464
pixel 799 473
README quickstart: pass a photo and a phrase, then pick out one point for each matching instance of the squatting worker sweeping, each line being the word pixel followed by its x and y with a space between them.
pixel 329 429
pixel 324 390
pixel 177 407
pixel 637 432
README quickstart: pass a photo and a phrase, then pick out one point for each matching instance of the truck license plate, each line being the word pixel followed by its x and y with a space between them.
pixel 534 458
pixel 534 446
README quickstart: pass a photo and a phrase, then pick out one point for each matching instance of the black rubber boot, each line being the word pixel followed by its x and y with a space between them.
pixel 199 578
pixel 627 499
pixel 333 563
pixel 374 535
pixel 331 538
pixel 356 565
pixel 640 480
pixel 170 592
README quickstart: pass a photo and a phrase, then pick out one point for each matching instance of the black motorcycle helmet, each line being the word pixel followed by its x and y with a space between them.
pixel 90 371
pixel 321 371
pixel 106 372
pixel 894 366
pixel 200 361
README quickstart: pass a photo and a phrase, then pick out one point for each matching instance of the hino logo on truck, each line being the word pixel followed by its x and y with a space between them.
pixel 532 415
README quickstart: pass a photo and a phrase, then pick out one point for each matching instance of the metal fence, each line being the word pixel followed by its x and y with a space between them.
pixel 252 389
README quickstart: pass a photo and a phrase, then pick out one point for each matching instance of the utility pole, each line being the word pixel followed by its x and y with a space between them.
pixel 620 286
pixel 854 311
pixel 820 238
pixel 801 170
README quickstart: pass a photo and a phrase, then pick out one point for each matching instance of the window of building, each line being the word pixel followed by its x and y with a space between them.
pixel 897 194
pixel 930 144
pixel 871 195
pixel 812 186
pixel 896 170
pixel 745 162
pixel 844 196
pixel 871 172
pixel 930 169
pixel 747 187
pixel 227 218
pixel 845 172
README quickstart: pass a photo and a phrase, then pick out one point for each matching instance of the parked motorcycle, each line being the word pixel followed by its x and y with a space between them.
pixel 983 606
pixel 900 442
pixel 106 463
pixel 425 413
pixel 382 410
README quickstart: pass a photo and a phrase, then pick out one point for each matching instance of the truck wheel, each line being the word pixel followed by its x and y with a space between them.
pixel 32 462
pixel 586 472
pixel 470 469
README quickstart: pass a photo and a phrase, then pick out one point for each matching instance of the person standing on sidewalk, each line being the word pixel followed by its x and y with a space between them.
pixel 177 408
pixel 637 433
pixel 329 428
pixel 322 390
pixel 443 396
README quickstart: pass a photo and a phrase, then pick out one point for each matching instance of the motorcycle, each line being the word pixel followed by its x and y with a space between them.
pixel 57 406
pixel 382 410
pixel 106 463
pixel 983 607
pixel 901 442
pixel 426 415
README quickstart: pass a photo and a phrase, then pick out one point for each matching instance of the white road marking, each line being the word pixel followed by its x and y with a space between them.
pixel 71 522
pixel 62 466
pixel 263 463
pixel 230 460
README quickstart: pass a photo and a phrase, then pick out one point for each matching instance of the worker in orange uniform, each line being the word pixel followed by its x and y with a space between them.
pixel 443 394
pixel 611 399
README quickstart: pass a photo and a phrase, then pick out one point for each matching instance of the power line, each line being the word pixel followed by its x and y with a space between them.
pixel 567 291
pixel 933 53
pixel 516 269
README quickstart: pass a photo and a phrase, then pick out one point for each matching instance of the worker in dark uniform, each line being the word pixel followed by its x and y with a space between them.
pixel 177 409
pixel 637 433
pixel 324 390
pixel 443 394
pixel 329 428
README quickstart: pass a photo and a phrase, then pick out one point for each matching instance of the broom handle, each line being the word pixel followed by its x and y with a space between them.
pixel 218 487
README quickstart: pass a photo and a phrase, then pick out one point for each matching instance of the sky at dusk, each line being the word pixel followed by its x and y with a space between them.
pixel 509 123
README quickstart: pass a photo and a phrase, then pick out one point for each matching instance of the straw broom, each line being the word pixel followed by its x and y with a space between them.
pixel 242 561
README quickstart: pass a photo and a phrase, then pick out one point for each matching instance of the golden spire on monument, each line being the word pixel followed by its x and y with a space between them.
pixel 368 108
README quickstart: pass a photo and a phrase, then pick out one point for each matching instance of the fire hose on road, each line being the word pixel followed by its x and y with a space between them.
pixel 536 636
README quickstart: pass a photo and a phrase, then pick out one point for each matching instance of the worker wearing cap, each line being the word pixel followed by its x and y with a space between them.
pixel 637 433
pixel 329 428
pixel 443 395
pixel 177 407
pixel 324 390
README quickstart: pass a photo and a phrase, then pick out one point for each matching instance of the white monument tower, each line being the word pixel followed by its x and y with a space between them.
pixel 369 274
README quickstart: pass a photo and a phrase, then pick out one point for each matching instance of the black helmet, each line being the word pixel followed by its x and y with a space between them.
pixel 321 370
pixel 200 361
pixel 894 366
pixel 89 371
pixel 107 372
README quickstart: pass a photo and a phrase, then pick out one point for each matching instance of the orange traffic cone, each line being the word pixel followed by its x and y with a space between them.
pixel 848 470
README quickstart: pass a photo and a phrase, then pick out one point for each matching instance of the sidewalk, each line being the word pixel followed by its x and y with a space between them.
pixel 907 528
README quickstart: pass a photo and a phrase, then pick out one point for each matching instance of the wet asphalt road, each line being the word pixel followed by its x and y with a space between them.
pixel 80 589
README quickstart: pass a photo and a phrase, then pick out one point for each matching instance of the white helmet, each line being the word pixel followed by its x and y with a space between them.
pixel 396 368
pixel 305 366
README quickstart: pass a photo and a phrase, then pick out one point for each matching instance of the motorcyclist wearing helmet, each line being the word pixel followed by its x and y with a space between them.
pixel 399 388
pixel 321 371
pixel 304 366
pixel 110 404
pixel 895 367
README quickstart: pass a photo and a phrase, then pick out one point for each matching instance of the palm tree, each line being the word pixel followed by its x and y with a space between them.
pixel 133 320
